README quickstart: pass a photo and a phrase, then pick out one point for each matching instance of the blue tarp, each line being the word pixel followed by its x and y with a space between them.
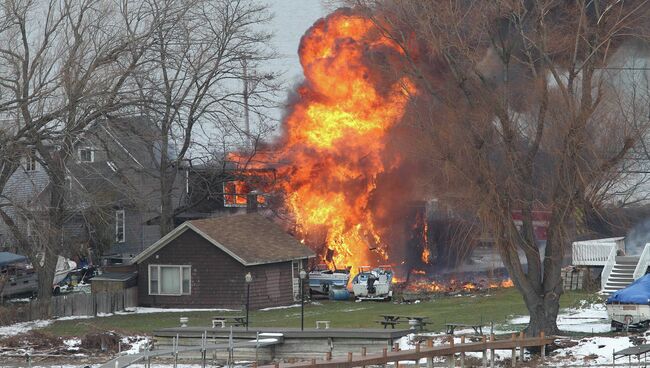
pixel 7 258
pixel 637 293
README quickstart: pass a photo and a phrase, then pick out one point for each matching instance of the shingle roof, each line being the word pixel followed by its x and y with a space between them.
pixel 250 238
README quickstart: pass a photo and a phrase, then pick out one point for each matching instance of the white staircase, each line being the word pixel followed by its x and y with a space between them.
pixel 622 274
pixel 619 270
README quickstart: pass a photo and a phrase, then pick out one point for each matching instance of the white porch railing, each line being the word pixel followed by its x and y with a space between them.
pixel 595 252
pixel 609 265
pixel 644 261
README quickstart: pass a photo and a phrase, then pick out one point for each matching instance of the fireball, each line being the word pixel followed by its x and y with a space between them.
pixel 335 135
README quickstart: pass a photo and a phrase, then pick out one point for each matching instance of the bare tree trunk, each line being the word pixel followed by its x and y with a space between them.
pixel 166 202
pixel 543 312
pixel 46 281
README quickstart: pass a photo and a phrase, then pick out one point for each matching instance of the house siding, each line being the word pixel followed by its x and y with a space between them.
pixel 133 150
pixel 130 144
pixel 23 189
pixel 217 278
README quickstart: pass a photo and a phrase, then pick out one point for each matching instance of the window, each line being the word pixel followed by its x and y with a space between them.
pixel 235 194
pixel 30 161
pixel 153 280
pixel 120 235
pixel 29 228
pixel 295 272
pixel 86 154
pixel 170 280
pixel 187 181
pixel 68 182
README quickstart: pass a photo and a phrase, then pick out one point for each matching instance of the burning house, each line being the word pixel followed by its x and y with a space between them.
pixel 222 188
pixel 348 179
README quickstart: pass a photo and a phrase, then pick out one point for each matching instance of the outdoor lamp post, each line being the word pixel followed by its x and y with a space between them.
pixel 248 278
pixel 303 275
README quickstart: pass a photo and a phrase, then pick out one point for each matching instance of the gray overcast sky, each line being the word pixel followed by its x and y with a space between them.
pixel 292 19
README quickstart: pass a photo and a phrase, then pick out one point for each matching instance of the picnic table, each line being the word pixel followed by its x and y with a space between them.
pixel 224 319
pixel 415 322
pixel 477 327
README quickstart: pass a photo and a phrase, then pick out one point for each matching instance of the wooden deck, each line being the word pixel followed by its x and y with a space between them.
pixel 361 358
pixel 127 360
pixel 288 333
pixel 307 344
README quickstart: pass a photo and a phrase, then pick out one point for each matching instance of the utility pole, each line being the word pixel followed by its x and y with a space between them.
pixel 247 127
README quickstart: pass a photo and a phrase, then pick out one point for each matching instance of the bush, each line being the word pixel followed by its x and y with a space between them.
pixel 35 339
pixel 101 341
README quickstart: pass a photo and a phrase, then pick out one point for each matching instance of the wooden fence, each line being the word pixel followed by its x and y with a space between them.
pixel 450 350
pixel 93 304
pixel 77 304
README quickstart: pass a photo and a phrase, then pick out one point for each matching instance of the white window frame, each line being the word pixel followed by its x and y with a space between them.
pixel 180 272
pixel 296 266
pixel 118 222
pixel 92 154
pixel 29 228
pixel 187 181
pixel 30 161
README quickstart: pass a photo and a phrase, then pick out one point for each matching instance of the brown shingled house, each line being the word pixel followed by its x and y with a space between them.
pixel 203 263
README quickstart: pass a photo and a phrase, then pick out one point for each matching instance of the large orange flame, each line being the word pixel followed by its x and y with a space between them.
pixel 335 135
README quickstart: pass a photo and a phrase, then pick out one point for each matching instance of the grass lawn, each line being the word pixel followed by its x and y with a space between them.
pixel 498 307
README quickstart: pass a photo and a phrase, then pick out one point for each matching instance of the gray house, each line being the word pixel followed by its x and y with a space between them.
pixel 25 189
pixel 114 189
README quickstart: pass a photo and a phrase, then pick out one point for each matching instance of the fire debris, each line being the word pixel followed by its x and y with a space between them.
pixel 453 285
pixel 421 286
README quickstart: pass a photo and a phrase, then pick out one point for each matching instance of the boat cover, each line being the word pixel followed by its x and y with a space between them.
pixel 637 292
pixel 7 258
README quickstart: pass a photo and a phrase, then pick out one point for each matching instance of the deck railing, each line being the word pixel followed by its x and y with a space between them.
pixel 516 345
pixel 644 261
pixel 594 252
pixel 609 265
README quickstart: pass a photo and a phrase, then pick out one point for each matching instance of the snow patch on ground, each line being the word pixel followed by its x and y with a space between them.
pixel 590 351
pixel 146 310
pixel 22 327
pixel 280 307
pixel 136 344
pixel 408 342
pixel 72 344
pixel 353 309
pixel 589 318
pixel 68 318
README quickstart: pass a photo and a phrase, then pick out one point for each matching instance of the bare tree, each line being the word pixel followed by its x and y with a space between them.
pixel 526 111
pixel 64 65
pixel 193 80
